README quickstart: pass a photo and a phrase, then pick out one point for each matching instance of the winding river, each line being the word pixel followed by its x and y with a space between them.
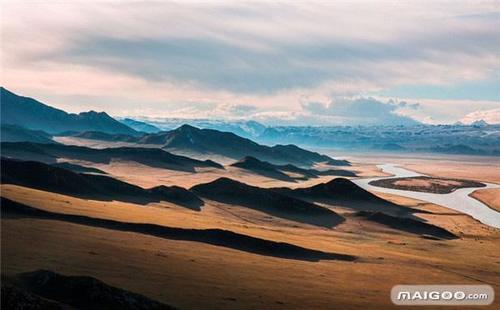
pixel 458 200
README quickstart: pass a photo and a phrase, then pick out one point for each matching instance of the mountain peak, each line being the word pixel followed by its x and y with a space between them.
pixel 186 127
pixel 479 123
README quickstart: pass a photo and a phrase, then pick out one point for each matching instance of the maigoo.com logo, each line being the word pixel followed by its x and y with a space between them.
pixel 442 295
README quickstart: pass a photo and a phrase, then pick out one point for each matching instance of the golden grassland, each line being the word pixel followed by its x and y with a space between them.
pixel 190 274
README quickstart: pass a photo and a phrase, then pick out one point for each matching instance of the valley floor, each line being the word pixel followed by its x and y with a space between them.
pixel 190 274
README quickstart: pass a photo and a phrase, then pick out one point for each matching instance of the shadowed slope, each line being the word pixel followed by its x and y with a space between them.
pixel 102 136
pixel 157 158
pixel 342 192
pixel 77 168
pixel 262 168
pixel 233 192
pixel 278 171
pixel 407 224
pixel 14 133
pixel 43 289
pixel 98 187
pixel 217 237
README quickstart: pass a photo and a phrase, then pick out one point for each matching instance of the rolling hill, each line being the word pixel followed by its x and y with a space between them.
pixel 45 177
pixel 268 201
pixel 287 172
pixel 216 237
pixel 343 192
pixel 49 153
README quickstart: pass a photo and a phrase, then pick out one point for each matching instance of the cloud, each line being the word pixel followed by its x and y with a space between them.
pixel 367 111
pixel 164 57
pixel 235 110
pixel 489 116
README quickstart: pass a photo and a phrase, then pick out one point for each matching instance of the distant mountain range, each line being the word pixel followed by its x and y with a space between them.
pixel 247 129
pixel 477 138
pixel 140 126
pixel 26 119
pixel 192 141
pixel 208 141
pixel 32 114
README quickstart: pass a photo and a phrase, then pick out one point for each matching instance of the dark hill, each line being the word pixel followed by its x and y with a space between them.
pixel 262 168
pixel 217 237
pixel 89 186
pixel 345 193
pixel 302 155
pixel 32 114
pixel 77 168
pixel 408 224
pixel 208 141
pixel 278 171
pixel 147 156
pixel 43 289
pixel 233 192
pixel 14 133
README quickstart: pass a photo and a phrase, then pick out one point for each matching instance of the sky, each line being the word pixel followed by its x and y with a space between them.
pixel 280 63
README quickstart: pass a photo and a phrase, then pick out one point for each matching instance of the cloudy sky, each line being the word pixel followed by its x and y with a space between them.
pixel 292 62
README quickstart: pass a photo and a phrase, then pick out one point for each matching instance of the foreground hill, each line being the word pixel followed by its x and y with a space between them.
pixel 280 171
pixel 98 187
pixel 44 289
pixel 14 133
pixel 30 113
pixel 49 153
pixel 217 237
pixel 343 192
pixel 233 192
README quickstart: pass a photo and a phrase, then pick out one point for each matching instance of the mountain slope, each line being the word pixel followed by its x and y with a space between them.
pixel 207 141
pixel 147 156
pixel 45 177
pixel 343 192
pixel 262 168
pixel 102 136
pixel 233 192
pixel 14 133
pixel 140 126
pixel 280 171
pixel 30 113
